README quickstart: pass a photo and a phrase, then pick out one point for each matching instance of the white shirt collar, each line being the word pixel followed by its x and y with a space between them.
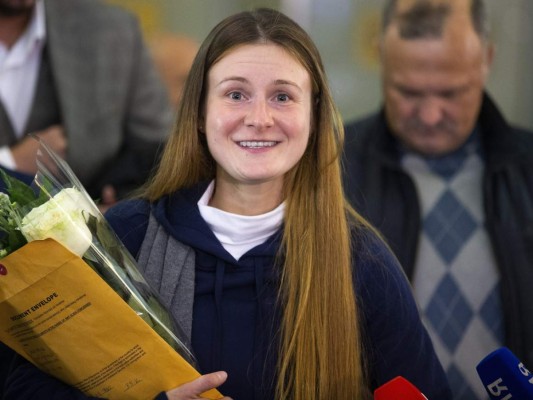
pixel 33 38
pixel 239 233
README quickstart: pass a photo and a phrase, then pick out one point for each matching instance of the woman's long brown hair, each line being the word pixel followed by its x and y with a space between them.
pixel 320 355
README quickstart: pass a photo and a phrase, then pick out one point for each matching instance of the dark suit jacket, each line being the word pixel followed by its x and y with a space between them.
pixel 113 105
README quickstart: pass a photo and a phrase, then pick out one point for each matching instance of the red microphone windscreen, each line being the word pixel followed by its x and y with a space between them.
pixel 398 388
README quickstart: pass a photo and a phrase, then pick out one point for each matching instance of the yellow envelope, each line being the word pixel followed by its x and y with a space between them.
pixel 60 315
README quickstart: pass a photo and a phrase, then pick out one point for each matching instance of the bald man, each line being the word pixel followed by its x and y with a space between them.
pixel 450 184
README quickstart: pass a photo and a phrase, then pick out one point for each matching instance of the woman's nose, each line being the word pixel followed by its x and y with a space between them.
pixel 259 114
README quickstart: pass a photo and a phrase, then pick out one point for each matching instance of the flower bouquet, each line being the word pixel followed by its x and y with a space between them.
pixel 72 300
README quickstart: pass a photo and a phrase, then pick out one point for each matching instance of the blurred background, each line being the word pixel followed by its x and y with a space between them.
pixel 345 32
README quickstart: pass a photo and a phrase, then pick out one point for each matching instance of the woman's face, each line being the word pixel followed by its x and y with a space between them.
pixel 257 114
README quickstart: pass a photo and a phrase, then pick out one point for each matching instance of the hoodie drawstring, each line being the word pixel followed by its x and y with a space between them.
pixel 219 288
pixel 259 345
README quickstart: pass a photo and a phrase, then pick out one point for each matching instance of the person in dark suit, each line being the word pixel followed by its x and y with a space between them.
pixel 77 74
pixel 450 185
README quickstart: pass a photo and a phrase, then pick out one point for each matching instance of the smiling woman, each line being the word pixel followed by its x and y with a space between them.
pixel 257 124
pixel 284 290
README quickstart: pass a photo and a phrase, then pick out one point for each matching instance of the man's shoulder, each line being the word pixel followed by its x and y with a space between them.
pixel 504 140
pixel 363 133
pixel 90 12
pixel 523 136
pixel 522 142
pixel 512 146
pixel 364 124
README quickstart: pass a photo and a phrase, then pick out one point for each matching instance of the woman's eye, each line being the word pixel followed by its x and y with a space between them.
pixel 282 97
pixel 235 96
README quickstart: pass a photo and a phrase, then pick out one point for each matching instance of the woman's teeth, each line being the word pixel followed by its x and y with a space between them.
pixel 256 145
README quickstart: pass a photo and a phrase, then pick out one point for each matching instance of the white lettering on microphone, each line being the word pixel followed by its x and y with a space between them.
pixel 525 372
pixel 497 390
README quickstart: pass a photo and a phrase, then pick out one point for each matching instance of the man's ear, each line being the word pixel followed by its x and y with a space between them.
pixel 489 56
pixel 489 53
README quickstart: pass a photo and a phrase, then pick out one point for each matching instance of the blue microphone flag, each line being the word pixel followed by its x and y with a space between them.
pixel 505 377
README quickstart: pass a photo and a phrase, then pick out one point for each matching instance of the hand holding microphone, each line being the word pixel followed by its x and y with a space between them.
pixel 398 388
pixel 505 377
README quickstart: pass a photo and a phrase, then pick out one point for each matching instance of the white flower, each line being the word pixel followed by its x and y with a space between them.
pixel 62 218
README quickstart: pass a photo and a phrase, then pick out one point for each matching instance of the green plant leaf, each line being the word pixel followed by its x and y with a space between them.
pixel 16 240
pixel 18 191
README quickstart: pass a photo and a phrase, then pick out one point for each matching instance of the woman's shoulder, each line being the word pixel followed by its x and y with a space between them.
pixel 397 344
pixel 128 207
pixel 128 213
pixel 381 285
pixel 129 220
pixel 373 258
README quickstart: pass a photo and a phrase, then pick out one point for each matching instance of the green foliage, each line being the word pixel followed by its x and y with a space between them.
pixel 19 199
pixel 19 192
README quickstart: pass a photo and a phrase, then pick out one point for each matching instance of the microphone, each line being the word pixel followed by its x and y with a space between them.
pixel 398 388
pixel 504 376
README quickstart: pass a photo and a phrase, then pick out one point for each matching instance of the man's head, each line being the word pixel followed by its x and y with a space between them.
pixel 435 63
pixel 16 7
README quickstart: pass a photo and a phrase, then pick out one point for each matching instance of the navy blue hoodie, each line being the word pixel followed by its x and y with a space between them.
pixel 235 314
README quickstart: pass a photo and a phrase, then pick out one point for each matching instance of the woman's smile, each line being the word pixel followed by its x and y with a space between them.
pixel 253 144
